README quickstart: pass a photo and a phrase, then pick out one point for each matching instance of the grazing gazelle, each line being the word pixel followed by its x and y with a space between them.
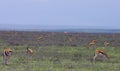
pixel 6 55
pixel 100 52
pixel 106 43
pixel 29 51
pixel 92 43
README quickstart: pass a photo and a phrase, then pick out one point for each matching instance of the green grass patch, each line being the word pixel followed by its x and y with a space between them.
pixel 53 58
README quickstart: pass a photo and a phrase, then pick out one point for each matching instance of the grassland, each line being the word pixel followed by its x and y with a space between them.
pixel 54 51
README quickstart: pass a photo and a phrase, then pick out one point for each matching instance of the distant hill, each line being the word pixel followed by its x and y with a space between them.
pixel 69 30
pixel 89 30
pixel 9 27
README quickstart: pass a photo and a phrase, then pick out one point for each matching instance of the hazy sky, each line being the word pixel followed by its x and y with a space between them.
pixel 63 13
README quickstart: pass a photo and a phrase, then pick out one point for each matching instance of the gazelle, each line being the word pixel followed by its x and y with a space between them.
pixel 92 43
pixel 100 52
pixel 6 55
pixel 106 43
pixel 29 51
pixel 69 39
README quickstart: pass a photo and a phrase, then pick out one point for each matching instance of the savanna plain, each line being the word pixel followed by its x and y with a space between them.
pixel 59 51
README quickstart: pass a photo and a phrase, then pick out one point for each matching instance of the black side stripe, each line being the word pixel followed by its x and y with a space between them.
pixel 7 53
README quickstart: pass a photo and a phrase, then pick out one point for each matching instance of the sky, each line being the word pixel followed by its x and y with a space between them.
pixel 54 14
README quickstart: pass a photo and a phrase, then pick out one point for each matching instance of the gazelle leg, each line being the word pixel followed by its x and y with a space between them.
pixel 5 60
pixel 95 57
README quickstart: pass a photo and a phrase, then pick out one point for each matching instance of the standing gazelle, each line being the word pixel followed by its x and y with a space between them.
pixel 92 43
pixel 29 52
pixel 6 55
pixel 106 43
pixel 100 52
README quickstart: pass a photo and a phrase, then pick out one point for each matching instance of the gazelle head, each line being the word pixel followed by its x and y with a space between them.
pixel 94 41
